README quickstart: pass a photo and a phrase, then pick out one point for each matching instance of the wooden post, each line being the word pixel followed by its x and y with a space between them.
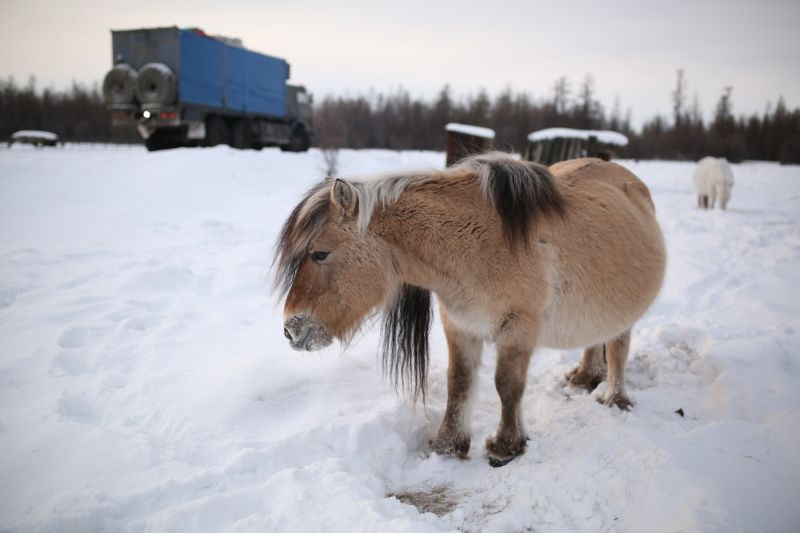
pixel 591 147
pixel 464 140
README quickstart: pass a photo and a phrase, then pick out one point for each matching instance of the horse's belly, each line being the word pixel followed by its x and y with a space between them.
pixel 478 322
pixel 573 322
pixel 576 322
pixel 565 329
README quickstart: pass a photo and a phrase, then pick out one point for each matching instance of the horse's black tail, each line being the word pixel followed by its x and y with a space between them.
pixel 406 324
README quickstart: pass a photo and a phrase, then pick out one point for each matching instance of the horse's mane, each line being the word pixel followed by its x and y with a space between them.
pixel 520 191
pixel 306 220
pixel 309 216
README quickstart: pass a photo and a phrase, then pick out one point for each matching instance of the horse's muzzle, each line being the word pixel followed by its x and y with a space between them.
pixel 306 333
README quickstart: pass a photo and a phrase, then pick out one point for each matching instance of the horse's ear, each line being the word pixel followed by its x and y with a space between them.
pixel 343 197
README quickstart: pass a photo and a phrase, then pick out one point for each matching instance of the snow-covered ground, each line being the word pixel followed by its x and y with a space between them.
pixel 145 384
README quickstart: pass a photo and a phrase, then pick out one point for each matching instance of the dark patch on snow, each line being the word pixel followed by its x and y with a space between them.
pixel 438 500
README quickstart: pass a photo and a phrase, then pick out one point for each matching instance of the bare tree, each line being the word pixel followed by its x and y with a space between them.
pixel 615 120
pixel 589 112
pixel 723 114
pixel 679 100
pixel 561 92
pixel 330 133
pixel 696 113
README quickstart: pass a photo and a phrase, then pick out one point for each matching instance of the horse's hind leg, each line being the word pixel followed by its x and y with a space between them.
pixel 591 370
pixel 616 357
pixel 464 352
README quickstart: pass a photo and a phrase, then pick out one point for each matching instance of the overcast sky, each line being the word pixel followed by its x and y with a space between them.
pixel 632 48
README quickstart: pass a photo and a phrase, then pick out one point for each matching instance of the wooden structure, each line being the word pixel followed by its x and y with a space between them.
pixel 464 140
pixel 552 145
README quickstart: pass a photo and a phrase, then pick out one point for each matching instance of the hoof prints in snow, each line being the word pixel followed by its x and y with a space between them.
pixel 78 336
pixel 79 410
pixel 675 359
pixel 8 295
pixel 164 279
pixel 142 323
pixel 72 362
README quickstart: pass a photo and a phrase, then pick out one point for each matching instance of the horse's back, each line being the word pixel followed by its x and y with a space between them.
pixel 599 177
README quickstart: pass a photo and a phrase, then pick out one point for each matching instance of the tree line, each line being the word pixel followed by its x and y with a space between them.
pixel 400 121
pixel 76 114
pixel 773 135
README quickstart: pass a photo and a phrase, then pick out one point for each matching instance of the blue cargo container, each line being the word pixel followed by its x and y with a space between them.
pixel 210 72
pixel 190 79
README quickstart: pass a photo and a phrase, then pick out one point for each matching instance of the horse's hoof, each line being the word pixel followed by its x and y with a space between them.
pixel 502 450
pixel 620 400
pixel 582 380
pixel 496 462
pixel 458 447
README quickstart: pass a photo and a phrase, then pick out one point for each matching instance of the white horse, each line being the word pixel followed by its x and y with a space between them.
pixel 713 179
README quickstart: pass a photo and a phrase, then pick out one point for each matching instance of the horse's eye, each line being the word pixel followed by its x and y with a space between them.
pixel 319 257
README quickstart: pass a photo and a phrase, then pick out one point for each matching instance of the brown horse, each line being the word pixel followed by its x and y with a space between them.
pixel 516 253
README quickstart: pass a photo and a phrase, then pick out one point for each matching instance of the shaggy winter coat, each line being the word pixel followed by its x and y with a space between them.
pixel 713 179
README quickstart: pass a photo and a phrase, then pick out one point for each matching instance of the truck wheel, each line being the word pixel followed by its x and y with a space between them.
pixel 119 85
pixel 216 131
pixel 164 140
pixel 156 84
pixel 241 136
pixel 153 143
pixel 298 142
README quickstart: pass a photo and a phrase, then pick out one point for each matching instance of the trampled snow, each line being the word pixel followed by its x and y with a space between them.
pixel 145 384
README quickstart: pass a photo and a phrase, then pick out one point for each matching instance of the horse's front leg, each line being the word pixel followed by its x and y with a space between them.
pixel 462 372
pixel 513 355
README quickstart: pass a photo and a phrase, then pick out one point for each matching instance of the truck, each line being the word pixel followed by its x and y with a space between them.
pixel 183 87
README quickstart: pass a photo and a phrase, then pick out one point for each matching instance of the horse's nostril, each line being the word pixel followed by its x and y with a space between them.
pixel 287 334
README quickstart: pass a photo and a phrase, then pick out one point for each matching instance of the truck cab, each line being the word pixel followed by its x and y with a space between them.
pixel 299 106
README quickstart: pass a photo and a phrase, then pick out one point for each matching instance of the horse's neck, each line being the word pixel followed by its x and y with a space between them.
pixel 431 238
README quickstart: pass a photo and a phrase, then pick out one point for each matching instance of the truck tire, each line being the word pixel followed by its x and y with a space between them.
pixel 164 139
pixel 119 85
pixel 154 143
pixel 298 142
pixel 156 84
pixel 241 136
pixel 217 131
